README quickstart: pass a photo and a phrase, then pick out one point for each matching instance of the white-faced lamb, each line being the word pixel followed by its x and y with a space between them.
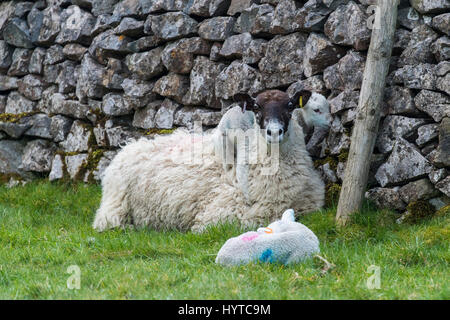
pixel 188 181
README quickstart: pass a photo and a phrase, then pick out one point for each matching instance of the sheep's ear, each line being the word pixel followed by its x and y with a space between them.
pixel 245 101
pixel 300 99
pixel 288 216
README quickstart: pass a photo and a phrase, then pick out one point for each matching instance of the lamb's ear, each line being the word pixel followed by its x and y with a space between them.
pixel 245 101
pixel 288 216
pixel 300 99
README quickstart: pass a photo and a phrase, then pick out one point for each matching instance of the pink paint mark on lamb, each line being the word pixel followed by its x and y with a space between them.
pixel 249 238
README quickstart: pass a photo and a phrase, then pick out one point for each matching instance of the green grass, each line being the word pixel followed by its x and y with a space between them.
pixel 45 228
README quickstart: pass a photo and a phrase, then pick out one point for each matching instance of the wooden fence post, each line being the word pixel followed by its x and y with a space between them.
pixel 369 111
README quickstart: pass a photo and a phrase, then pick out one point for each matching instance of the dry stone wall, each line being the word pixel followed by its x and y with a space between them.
pixel 80 77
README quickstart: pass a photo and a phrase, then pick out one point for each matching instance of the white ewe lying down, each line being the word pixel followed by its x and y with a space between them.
pixel 283 241
pixel 165 184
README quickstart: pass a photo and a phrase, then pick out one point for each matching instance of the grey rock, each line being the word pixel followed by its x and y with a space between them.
pixel 255 51
pixel 441 49
pixel 347 99
pixel 57 171
pixel 430 6
pixel 178 56
pixel 399 100
pixel 90 80
pixel 119 135
pixel 439 202
pixel 422 33
pixel 328 175
pixel 404 163
pixel 54 55
pixel 38 156
pixel 75 164
pixel 394 127
pixel 172 86
pixel 234 46
pixel 105 22
pixel 209 8
pixel 144 44
pixel 386 198
pixel 137 93
pixel 145 118
pixel 31 87
pixel 401 40
pixel 285 18
pixel 237 6
pixel 108 44
pixel 14 130
pixel 17 104
pixel 3 103
pixel 202 82
pixel 215 50
pixel 437 175
pixel 50 26
pixel 319 54
pixel 146 65
pixel 433 103
pixel 416 53
pixel 338 138
pixel 20 62
pixel 60 127
pixel 103 163
pixel 427 133
pixel 79 138
pixel 39 126
pixel 347 25
pixel 419 76
pixel 444 186
pixel 114 105
pixel 164 115
pixel 346 74
pixel 443 83
pixel 216 29
pixel 6 52
pixel 51 72
pixel 442 23
pixel 256 20
pixel 100 7
pixel 17 34
pixel 418 190
pixel 76 26
pixel 36 61
pixel 6 11
pixel 11 152
pixel 312 16
pixel 409 18
pixel 67 77
pixel 130 27
pixel 237 78
pixel 8 83
pixel 443 152
pixel 173 25
pixel 283 62
pixel 314 83
pixel 72 108
pixel 74 51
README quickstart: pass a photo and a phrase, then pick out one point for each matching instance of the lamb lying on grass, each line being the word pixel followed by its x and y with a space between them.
pixel 179 182
pixel 284 241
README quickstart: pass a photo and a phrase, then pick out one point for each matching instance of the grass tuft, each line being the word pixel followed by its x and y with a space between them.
pixel 46 227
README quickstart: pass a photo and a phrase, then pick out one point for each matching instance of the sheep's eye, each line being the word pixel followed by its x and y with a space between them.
pixel 317 111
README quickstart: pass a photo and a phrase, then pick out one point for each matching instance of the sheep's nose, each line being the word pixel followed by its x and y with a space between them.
pixel 280 132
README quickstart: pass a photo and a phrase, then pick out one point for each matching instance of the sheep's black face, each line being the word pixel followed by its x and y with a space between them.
pixel 274 111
